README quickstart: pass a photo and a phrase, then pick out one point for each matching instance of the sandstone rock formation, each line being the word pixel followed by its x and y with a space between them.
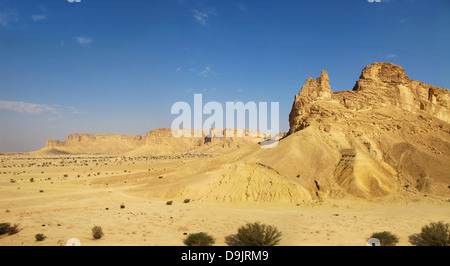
pixel 157 142
pixel 95 143
pixel 388 134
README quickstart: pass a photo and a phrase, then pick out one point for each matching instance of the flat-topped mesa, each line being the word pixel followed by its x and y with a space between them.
pixel 54 143
pixel 381 85
pixel 95 143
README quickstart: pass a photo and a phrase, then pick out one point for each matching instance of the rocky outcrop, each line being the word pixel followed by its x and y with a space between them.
pixel 381 85
pixel 387 134
pixel 95 143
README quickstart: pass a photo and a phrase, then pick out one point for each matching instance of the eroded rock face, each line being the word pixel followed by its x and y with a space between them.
pixel 397 131
pixel 381 85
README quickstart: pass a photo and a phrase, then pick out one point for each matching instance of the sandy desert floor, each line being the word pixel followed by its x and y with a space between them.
pixel 70 195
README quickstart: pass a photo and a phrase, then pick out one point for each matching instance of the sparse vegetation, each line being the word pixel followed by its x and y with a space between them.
pixel 169 202
pixel 436 234
pixel 40 237
pixel 14 229
pixel 97 232
pixel 257 234
pixel 386 238
pixel 6 228
pixel 122 206
pixel 200 239
pixel 187 200
pixel 32 180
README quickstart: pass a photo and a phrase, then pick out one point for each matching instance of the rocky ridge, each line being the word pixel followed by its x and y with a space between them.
pixel 388 134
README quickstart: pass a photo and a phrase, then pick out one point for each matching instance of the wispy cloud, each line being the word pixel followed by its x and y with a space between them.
pixel 241 6
pixel 178 69
pixel 207 71
pixel 27 108
pixel 390 56
pixel 83 41
pixel 8 16
pixel 203 16
pixel 74 110
pixel 38 17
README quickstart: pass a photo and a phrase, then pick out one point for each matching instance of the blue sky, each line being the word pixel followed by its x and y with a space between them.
pixel 116 66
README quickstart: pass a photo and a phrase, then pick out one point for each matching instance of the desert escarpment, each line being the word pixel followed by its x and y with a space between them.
pixel 156 142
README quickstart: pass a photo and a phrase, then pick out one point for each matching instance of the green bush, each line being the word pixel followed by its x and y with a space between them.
pixel 436 234
pixel 386 238
pixel 257 234
pixel 200 239
pixel 97 232
pixel 40 237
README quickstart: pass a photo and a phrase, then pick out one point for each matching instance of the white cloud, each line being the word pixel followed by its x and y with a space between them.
pixel 38 17
pixel 8 16
pixel 28 108
pixel 391 56
pixel 84 41
pixel 202 17
pixel 207 71
pixel 74 110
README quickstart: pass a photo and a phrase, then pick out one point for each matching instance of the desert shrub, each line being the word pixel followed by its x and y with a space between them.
pixel 257 234
pixel 32 180
pixel 13 229
pixel 187 200
pixel 386 238
pixel 122 206
pixel 169 202
pixel 6 228
pixel 40 237
pixel 436 234
pixel 97 232
pixel 200 239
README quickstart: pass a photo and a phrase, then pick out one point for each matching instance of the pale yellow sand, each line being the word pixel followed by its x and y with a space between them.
pixel 70 206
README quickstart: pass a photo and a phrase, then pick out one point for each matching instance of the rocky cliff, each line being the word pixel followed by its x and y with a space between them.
pixel 157 142
pixel 95 143
pixel 389 134
pixel 381 85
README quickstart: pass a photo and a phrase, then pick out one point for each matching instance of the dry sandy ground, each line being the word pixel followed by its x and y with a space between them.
pixel 72 201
